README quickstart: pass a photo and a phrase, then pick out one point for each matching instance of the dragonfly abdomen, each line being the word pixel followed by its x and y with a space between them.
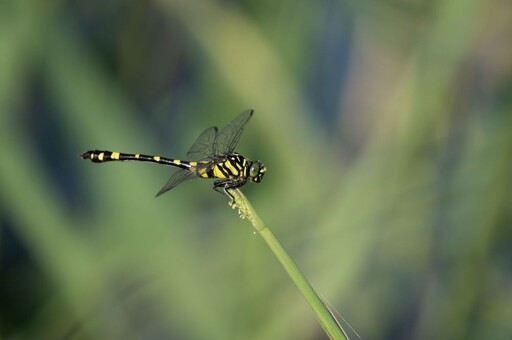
pixel 102 156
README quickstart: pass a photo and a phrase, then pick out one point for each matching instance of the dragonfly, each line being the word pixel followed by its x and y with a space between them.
pixel 212 156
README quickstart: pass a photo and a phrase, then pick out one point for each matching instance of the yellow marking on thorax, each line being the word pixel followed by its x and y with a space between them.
pixel 238 166
pixel 137 155
pixel 217 173
pixel 156 158
pixel 100 156
pixel 234 170
pixel 115 155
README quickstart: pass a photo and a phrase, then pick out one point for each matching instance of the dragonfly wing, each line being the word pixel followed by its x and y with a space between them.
pixel 229 136
pixel 203 146
pixel 177 178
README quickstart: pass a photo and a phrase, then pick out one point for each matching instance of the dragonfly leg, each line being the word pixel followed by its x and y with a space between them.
pixel 223 186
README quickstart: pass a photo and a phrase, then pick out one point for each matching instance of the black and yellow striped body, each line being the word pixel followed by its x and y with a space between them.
pixel 98 156
pixel 229 167
pixel 232 166
pixel 231 170
pixel 211 156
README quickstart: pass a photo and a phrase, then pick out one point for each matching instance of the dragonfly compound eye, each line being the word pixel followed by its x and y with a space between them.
pixel 257 171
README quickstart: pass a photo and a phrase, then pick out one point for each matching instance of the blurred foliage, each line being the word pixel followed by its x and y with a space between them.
pixel 386 128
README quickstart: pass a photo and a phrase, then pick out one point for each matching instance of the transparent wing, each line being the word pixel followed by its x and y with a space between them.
pixel 203 146
pixel 177 178
pixel 228 137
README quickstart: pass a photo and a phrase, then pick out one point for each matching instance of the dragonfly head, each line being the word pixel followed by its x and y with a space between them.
pixel 256 171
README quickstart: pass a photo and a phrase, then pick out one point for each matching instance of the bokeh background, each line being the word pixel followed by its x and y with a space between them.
pixel 386 128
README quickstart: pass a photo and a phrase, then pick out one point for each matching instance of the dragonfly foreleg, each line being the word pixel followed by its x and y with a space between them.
pixel 223 186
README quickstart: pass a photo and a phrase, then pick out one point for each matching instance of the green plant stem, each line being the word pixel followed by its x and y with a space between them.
pixel 324 315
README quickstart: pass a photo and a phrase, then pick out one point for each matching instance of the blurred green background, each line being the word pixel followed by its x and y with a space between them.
pixel 385 126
